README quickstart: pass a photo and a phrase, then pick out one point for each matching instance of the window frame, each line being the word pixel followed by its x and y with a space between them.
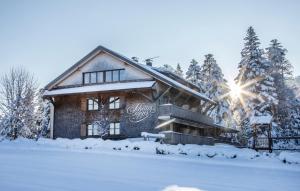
pixel 93 129
pixel 88 75
pixel 118 101
pixel 116 130
pixel 106 76
pixel 97 75
pixel 94 100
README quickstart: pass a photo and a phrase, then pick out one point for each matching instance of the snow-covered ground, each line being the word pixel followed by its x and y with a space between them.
pixel 134 164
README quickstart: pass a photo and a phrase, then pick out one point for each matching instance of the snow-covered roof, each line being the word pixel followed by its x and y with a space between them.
pixel 101 88
pixel 175 84
pixel 266 119
pixel 148 69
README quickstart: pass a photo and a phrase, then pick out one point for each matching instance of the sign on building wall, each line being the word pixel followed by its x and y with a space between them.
pixel 140 111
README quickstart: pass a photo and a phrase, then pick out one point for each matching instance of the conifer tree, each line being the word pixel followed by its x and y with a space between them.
pixel 42 116
pixel 288 115
pixel 179 71
pixel 214 86
pixel 193 72
pixel 255 78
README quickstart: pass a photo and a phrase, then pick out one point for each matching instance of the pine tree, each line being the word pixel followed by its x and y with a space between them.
pixel 42 116
pixel 179 71
pixel 193 72
pixel 255 78
pixel 167 67
pixel 288 115
pixel 214 86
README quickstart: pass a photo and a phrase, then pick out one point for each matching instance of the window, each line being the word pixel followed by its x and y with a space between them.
pixel 100 77
pixel 93 129
pixel 93 104
pixel 114 103
pixel 114 128
pixel 116 75
pixel 86 78
pixel 93 78
pixel 104 76
pixel 108 76
pixel 122 75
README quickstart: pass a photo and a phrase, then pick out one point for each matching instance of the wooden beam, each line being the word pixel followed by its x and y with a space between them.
pixel 215 105
pixel 202 106
pixel 180 93
pixel 207 108
pixel 165 92
pixel 142 94
pixel 187 99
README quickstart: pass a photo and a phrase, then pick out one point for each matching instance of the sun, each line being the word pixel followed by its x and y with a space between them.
pixel 235 90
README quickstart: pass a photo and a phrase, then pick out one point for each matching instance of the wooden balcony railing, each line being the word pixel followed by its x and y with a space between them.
pixel 174 111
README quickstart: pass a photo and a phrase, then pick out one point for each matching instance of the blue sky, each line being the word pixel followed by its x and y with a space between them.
pixel 47 37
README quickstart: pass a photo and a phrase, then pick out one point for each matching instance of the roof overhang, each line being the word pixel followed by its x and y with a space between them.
pixel 100 88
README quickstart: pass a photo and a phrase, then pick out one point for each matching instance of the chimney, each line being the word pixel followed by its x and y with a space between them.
pixel 136 59
pixel 148 62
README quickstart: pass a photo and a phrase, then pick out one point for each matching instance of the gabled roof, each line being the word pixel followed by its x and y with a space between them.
pixel 157 75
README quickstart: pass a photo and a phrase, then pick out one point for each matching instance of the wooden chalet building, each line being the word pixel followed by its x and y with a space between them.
pixel 108 95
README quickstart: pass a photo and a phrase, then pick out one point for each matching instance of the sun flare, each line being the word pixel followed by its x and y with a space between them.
pixel 235 90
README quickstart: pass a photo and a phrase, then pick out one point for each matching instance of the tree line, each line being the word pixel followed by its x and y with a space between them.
pixel 266 89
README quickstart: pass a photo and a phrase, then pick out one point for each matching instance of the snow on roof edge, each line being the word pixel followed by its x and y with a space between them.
pixel 100 88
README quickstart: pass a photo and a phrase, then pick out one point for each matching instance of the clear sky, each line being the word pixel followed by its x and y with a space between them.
pixel 47 37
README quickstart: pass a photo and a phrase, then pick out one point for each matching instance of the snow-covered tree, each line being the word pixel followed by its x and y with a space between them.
pixel 193 71
pixel 255 78
pixel 213 84
pixel 17 103
pixel 167 67
pixel 179 71
pixel 42 116
pixel 288 115
pixel 277 55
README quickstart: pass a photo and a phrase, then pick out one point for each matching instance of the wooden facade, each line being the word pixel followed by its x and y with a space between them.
pixel 123 98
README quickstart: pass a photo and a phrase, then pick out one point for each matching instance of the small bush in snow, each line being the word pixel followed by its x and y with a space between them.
pixel 160 151
pixel 136 148
pixel 182 153
pixel 233 156
pixel 211 155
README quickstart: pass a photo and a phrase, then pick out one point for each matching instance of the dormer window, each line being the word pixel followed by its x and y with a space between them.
pixel 104 76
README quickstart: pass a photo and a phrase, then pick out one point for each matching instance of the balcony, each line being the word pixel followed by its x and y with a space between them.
pixel 169 111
